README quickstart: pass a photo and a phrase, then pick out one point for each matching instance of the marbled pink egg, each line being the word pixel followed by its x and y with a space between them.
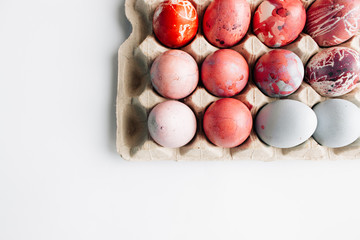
pixel 172 124
pixel 279 73
pixel 332 22
pixel 279 22
pixel 334 71
pixel 225 73
pixel 174 74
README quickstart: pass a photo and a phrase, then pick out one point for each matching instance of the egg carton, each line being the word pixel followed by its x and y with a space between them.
pixel 136 96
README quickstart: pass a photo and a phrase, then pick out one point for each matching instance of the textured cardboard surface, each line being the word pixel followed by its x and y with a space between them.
pixel 136 96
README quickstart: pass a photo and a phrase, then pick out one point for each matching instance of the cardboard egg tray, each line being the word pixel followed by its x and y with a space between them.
pixel 136 96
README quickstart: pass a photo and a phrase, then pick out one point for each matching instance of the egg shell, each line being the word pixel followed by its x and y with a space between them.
pixel 285 123
pixel 174 74
pixel 332 22
pixel 227 122
pixel 226 22
pixel 279 22
pixel 334 72
pixel 338 123
pixel 172 124
pixel 225 73
pixel 175 23
pixel 278 73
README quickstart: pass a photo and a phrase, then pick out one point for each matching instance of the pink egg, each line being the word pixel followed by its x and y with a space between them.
pixel 332 22
pixel 227 122
pixel 279 22
pixel 334 71
pixel 279 73
pixel 172 124
pixel 226 22
pixel 174 74
pixel 225 73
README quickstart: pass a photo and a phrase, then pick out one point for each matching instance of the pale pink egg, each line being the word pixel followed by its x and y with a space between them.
pixel 172 124
pixel 174 74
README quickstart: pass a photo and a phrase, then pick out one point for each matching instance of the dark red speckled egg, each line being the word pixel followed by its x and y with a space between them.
pixel 334 71
pixel 226 22
pixel 278 73
pixel 279 22
pixel 175 23
pixel 332 22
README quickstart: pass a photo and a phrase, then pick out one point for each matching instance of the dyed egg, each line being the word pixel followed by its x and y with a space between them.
pixel 333 72
pixel 285 123
pixel 174 74
pixel 331 22
pixel 225 73
pixel 227 122
pixel 278 73
pixel 175 23
pixel 172 124
pixel 226 22
pixel 338 123
pixel 279 22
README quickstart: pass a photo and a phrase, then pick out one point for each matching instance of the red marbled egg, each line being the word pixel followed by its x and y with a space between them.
pixel 227 122
pixel 175 23
pixel 279 22
pixel 225 73
pixel 334 72
pixel 332 22
pixel 226 22
pixel 278 73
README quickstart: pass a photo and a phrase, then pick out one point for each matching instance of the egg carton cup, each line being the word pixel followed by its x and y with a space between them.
pixel 136 96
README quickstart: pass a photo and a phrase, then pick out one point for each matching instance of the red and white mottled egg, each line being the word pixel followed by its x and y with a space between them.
pixel 175 23
pixel 174 74
pixel 279 22
pixel 332 22
pixel 279 73
pixel 226 22
pixel 225 73
pixel 172 124
pixel 227 122
pixel 333 72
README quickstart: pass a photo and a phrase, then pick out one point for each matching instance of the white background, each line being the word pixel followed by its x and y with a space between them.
pixel 60 175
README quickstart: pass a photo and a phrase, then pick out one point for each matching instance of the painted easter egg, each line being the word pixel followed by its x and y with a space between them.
pixel 175 23
pixel 225 73
pixel 279 22
pixel 285 123
pixel 338 123
pixel 227 122
pixel 333 72
pixel 226 22
pixel 174 74
pixel 172 124
pixel 332 22
pixel 278 73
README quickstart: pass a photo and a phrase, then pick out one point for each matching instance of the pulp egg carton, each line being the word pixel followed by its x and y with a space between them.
pixel 136 96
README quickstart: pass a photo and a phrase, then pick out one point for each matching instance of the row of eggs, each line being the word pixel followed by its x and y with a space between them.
pixel 333 72
pixel 276 22
pixel 283 123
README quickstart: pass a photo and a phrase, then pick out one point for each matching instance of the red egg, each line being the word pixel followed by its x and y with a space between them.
pixel 334 71
pixel 279 73
pixel 175 23
pixel 279 22
pixel 225 73
pixel 226 22
pixel 332 22
pixel 227 122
